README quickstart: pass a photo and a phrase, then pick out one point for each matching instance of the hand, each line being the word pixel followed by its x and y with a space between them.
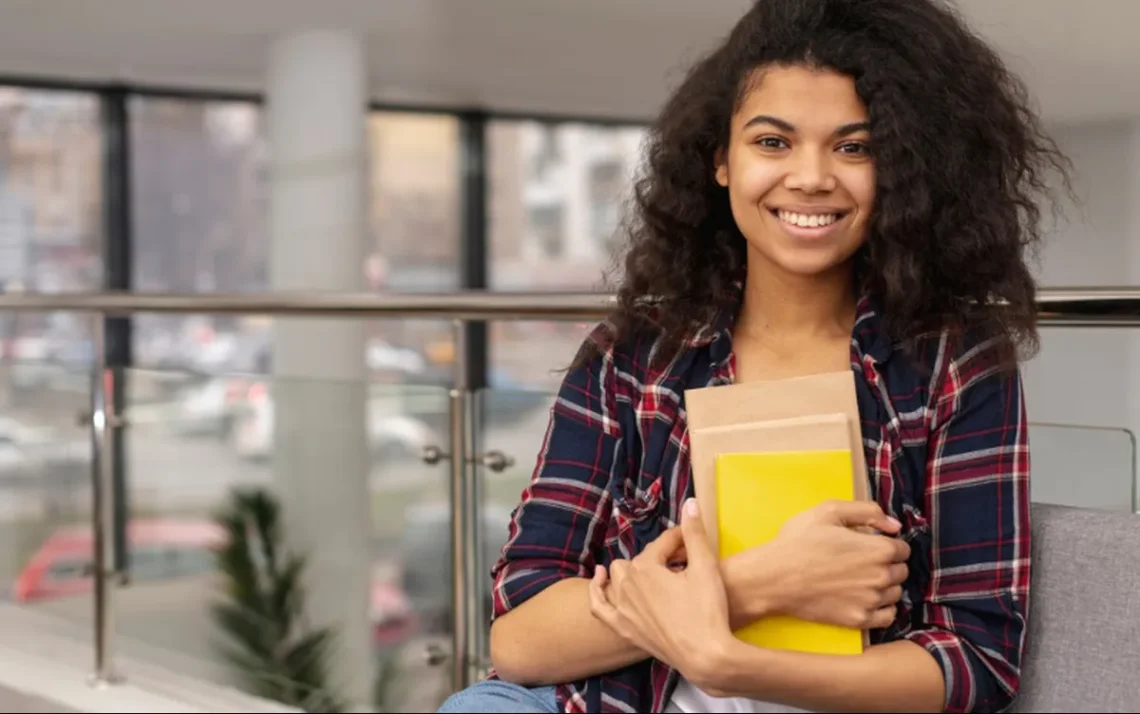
pixel 671 614
pixel 823 570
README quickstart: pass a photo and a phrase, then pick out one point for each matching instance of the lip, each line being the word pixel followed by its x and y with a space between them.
pixel 811 233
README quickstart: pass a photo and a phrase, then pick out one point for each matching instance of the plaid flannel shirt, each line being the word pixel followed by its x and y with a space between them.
pixel 947 453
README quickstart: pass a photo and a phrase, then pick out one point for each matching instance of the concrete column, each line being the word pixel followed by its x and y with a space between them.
pixel 316 123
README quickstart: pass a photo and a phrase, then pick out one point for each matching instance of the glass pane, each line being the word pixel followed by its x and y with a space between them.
pixel 556 197
pixel 51 192
pixel 45 489
pixel 513 423
pixel 1087 467
pixel 198 181
pixel 197 440
pixel 415 202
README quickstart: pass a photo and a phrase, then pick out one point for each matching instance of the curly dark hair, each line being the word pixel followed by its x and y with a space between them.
pixel 962 166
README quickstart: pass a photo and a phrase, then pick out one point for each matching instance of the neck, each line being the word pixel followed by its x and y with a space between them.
pixel 778 304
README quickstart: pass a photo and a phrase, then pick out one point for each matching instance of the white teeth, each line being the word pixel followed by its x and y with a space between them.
pixel 808 220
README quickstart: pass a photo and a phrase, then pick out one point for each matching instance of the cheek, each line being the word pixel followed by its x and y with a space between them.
pixel 860 184
pixel 750 182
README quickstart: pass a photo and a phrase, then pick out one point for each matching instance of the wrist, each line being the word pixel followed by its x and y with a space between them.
pixel 756 586
pixel 711 668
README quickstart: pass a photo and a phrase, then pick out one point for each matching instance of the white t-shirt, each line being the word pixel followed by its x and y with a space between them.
pixel 688 699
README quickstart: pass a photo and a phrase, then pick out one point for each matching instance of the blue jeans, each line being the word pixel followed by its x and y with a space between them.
pixel 494 697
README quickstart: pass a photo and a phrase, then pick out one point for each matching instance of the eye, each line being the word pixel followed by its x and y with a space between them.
pixel 771 142
pixel 854 148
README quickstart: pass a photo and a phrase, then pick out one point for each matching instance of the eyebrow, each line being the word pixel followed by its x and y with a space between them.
pixel 844 130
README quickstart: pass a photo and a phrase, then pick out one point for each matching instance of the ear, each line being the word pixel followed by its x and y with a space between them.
pixel 721 161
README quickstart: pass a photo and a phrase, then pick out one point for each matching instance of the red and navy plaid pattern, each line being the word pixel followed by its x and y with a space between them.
pixel 944 433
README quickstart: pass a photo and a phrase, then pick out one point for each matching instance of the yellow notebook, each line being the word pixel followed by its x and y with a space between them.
pixel 756 493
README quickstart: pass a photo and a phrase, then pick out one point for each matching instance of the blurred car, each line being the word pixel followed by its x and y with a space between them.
pixel 209 407
pixel 162 550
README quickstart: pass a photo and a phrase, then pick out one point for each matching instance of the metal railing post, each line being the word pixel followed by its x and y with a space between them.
pixel 103 417
pixel 464 522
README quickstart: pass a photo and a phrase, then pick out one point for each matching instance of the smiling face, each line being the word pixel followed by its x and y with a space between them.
pixel 798 170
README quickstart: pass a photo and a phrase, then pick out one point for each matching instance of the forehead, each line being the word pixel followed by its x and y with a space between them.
pixel 806 97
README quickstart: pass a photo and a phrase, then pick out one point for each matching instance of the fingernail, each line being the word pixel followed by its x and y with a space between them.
pixel 894 522
pixel 691 507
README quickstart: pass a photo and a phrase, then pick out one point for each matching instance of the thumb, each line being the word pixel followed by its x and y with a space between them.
pixel 697 546
pixel 665 546
pixel 855 514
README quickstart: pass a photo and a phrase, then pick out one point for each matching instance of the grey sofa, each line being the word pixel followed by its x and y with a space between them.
pixel 1083 647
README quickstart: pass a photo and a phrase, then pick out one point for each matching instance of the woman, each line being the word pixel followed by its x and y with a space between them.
pixel 841 184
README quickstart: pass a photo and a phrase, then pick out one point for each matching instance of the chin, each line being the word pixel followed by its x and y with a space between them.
pixel 807 264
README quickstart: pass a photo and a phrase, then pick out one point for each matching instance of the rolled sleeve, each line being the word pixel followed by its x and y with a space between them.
pixel 562 518
pixel 973 618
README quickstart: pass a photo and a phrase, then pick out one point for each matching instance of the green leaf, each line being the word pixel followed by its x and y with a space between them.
pixel 262 609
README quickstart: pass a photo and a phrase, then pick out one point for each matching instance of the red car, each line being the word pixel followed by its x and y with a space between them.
pixel 167 549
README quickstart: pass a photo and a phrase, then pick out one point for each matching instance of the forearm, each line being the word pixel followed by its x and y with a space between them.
pixel 895 677
pixel 553 638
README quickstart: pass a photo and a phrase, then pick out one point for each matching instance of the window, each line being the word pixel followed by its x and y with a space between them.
pixel 415 205
pixel 69 569
pixel 51 232
pixel 201 224
pixel 556 193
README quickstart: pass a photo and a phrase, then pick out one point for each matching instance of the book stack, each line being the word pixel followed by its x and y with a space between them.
pixel 763 452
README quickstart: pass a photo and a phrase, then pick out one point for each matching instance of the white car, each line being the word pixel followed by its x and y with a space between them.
pixel 209 407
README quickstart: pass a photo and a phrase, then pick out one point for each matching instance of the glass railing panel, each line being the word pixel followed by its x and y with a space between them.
pixel 1083 466
pixel 45 488
pixel 340 464
pixel 510 426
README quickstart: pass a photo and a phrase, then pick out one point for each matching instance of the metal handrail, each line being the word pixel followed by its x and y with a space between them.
pixel 471 305
pixel 1069 307
pixel 1062 307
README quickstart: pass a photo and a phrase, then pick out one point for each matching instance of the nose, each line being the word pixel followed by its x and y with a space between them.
pixel 809 171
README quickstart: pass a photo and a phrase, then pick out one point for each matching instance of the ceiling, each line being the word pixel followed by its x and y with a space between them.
pixel 601 58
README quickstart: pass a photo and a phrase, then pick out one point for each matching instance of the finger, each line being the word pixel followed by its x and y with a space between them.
pixel 882 618
pixel 618 570
pixel 854 514
pixel 902 551
pixel 897 573
pixel 600 606
pixel 600 577
pixel 682 554
pixel 662 549
pixel 890 596
pixel 700 553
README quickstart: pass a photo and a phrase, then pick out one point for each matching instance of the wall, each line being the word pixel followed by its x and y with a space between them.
pixel 1088 376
